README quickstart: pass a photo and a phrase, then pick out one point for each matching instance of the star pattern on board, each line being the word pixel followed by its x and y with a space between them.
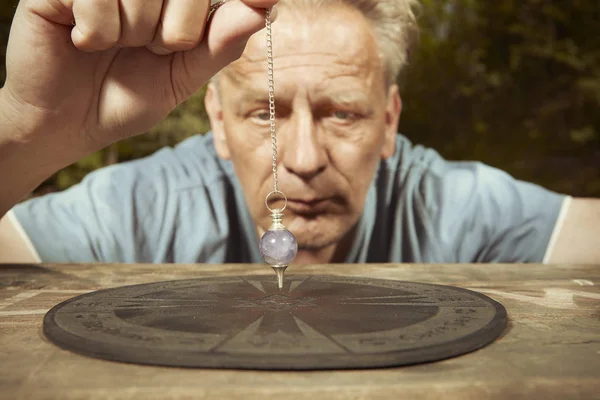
pixel 311 322
pixel 259 315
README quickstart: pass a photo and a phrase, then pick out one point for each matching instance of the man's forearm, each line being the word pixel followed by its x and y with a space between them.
pixel 578 241
pixel 27 156
pixel 20 173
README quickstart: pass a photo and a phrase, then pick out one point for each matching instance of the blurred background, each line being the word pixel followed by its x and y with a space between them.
pixel 512 83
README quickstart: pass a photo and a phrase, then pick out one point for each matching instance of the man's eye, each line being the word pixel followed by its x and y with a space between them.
pixel 261 115
pixel 344 115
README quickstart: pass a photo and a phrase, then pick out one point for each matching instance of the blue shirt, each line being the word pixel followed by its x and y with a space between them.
pixel 185 205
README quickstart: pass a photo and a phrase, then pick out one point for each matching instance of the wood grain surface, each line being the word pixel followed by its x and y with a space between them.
pixel 551 349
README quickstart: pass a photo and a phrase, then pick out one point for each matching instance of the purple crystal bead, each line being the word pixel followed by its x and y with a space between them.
pixel 278 247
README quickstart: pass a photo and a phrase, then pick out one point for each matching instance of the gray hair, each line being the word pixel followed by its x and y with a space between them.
pixel 394 24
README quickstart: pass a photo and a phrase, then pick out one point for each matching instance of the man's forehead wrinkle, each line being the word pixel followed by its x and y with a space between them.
pixel 319 60
pixel 308 50
pixel 321 37
pixel 354 86
pixel 346 97
pixel 259 59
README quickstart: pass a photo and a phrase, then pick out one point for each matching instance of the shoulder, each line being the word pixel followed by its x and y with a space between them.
pixel 149 184
pixel 452 190
pixel 472 211
pixel 134 210
pixel 423 172
pixel 192 162
pixel 420 173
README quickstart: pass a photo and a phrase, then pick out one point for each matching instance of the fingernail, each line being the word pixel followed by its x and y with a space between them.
pixel 274 13
pixel 159 50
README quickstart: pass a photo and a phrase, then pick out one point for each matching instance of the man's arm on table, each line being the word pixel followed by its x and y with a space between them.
pixel 14 244
pixel 577 236
pixel 113 215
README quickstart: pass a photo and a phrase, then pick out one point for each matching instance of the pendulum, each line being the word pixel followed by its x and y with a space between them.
pixel 278 246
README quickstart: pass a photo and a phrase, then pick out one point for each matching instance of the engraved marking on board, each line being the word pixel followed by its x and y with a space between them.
pixel 459 314
pixel 115 303
pixel 410 300
pixel 276 302
pixel 553 297
pixel 318 338
pixel 109 328
pixel 258 285
pixel 294 284
pixel 445 326
pixel 249 340
pixel 454 322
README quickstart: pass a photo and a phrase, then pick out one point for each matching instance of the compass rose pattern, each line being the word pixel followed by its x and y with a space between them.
pixel 335 321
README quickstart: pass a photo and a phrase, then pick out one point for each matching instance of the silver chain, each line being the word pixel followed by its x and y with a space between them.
pixel 271 85
pixel 214 7
pixel 271 96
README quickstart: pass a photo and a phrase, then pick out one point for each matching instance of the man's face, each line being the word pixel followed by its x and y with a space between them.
pixel 335 120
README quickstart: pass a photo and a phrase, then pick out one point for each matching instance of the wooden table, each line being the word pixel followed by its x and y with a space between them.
pixel 551 349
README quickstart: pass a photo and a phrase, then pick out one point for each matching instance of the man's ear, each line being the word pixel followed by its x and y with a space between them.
pixel 214 109
pixel 393 110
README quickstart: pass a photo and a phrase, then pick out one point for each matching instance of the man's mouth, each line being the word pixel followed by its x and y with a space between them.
pixel 309 205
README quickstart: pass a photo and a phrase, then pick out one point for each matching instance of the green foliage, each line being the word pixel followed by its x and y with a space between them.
pixel 512 83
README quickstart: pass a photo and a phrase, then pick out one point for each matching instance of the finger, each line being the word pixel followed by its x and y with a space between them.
pixel 230 28
pixel 97 26
pixel 182 25
pixel 139 21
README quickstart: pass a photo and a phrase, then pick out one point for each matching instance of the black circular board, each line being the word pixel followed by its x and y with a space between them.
pixel 314 322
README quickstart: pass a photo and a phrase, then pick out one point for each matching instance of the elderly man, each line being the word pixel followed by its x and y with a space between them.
pixel 358 191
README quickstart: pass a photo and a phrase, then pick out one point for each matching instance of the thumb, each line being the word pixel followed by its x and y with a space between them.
pixel 226 36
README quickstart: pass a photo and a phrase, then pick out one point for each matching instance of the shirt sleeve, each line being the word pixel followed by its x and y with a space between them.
pixel 115 214
pixel 483 214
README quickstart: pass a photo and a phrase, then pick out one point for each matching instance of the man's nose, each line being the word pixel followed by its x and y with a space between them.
pixel 303 155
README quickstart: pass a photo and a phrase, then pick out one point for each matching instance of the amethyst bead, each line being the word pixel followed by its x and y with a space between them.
pixel 278 247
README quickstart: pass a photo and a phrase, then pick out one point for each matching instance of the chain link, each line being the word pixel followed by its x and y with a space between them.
pixel 271 85
pixel 214 7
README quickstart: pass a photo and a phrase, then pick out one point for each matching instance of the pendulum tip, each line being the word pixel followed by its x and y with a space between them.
pixel 279 271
